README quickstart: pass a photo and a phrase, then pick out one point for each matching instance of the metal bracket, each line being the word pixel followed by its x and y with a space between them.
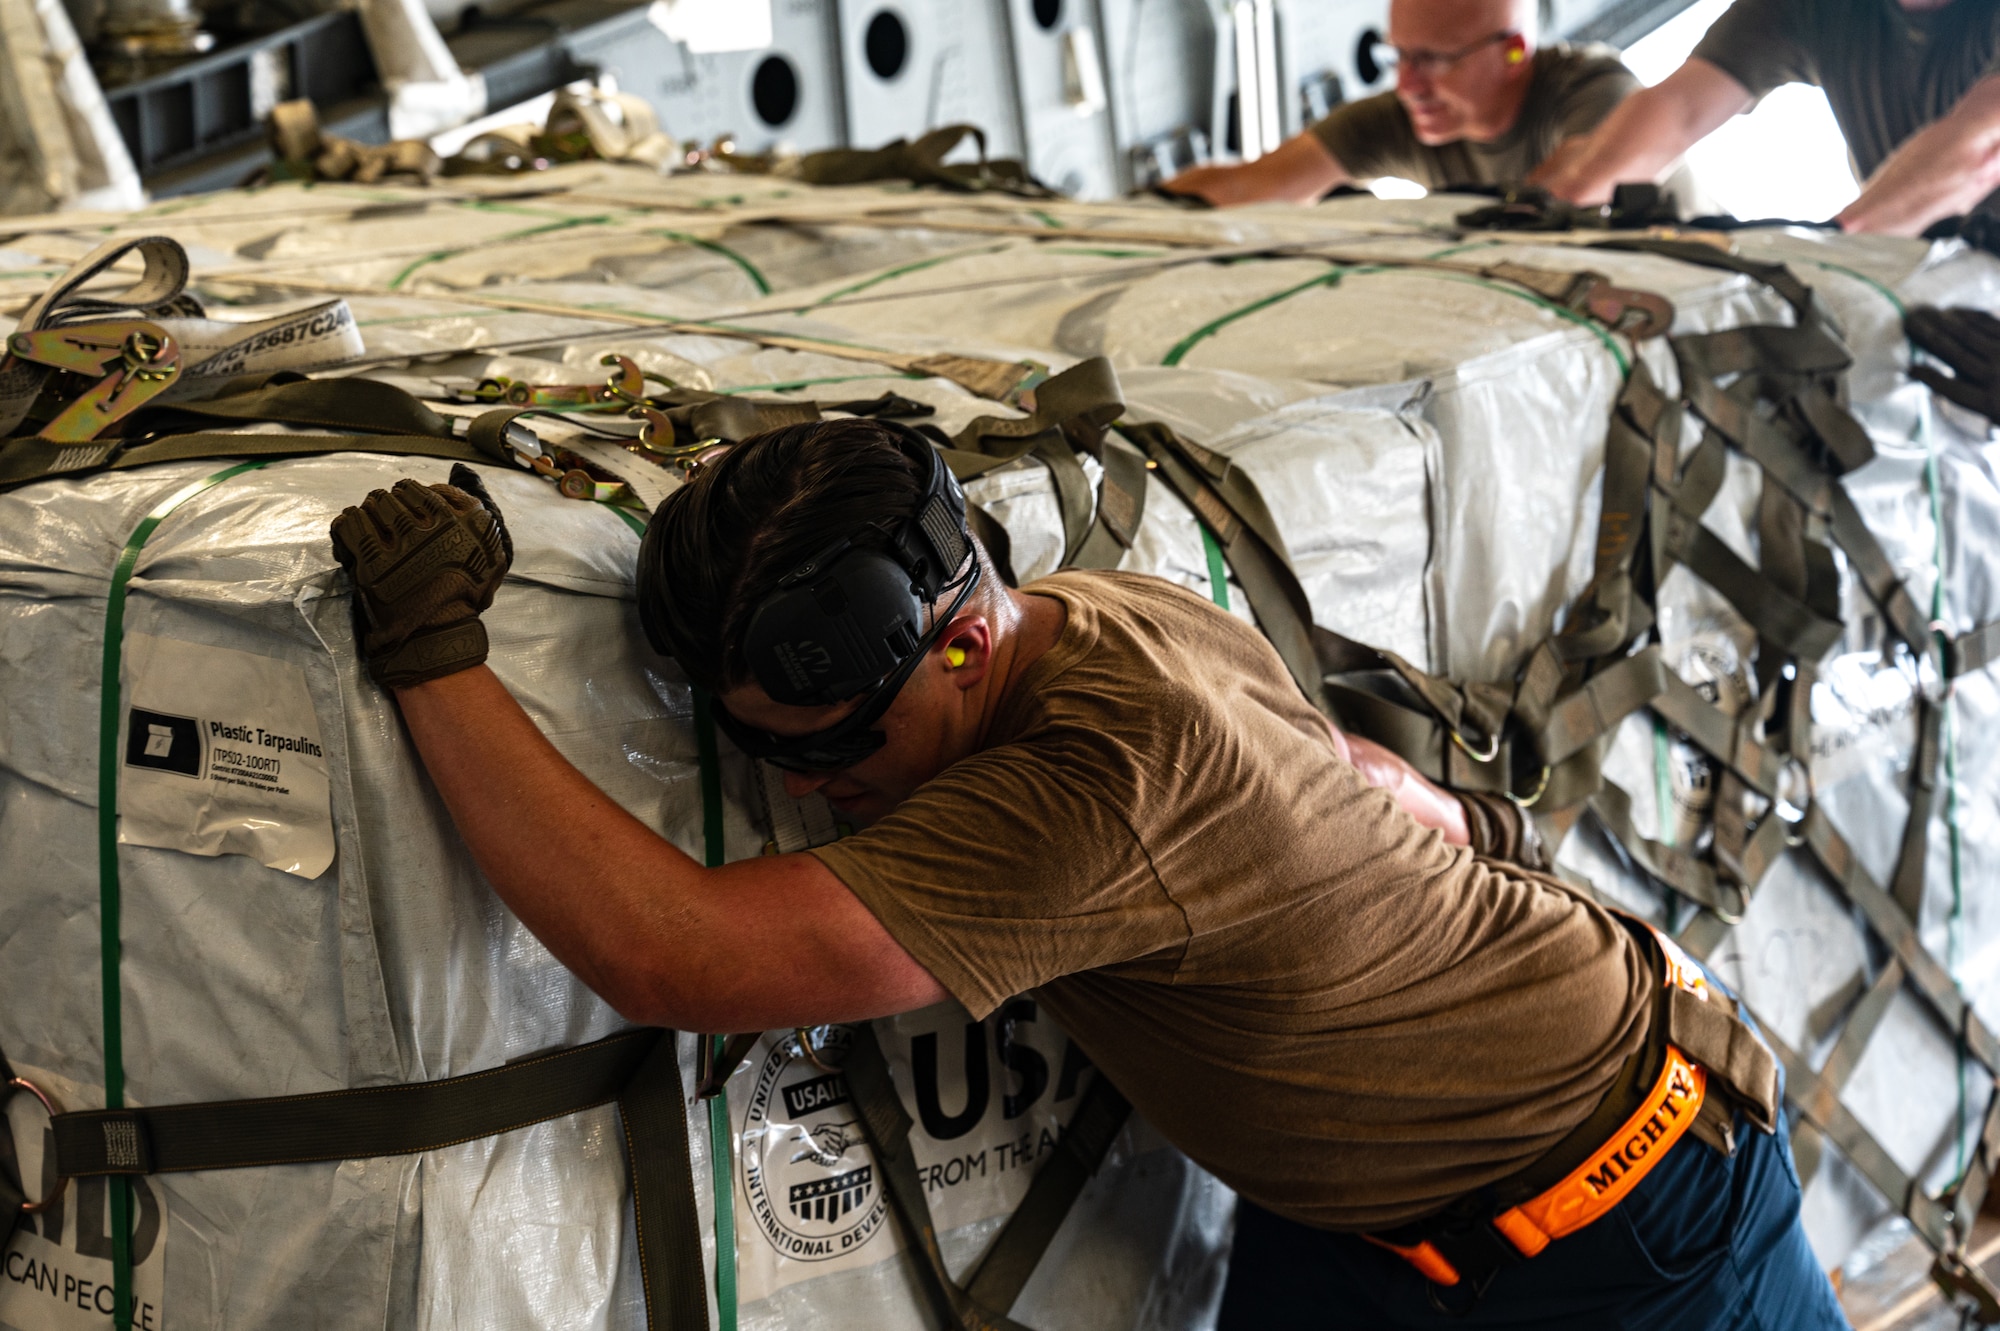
pixel 134 360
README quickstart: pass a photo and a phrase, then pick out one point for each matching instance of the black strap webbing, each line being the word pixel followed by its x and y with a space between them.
pixel 639 1069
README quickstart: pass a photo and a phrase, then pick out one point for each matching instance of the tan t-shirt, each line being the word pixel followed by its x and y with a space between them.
pixel 1573 88
pixel 1343 1017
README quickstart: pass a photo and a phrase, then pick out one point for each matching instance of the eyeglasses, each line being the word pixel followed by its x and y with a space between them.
pixel 1432 63
pixel 853 737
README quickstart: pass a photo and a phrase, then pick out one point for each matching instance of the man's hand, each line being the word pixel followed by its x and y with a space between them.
pixel 1942 170
pixel 1299 170
pixel 1969 342
pixel 426 561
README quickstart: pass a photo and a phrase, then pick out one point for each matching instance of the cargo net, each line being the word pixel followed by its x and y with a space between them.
pixel 838 301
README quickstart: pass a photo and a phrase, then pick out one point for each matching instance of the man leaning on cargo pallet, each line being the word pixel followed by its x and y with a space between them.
pixel 1475 104
pixel 1450 1091
pixel 1914 86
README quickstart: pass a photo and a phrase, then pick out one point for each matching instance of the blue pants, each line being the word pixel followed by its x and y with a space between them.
pixel 1704 1243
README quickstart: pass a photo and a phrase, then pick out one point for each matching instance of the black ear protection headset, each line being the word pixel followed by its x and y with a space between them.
pixel 849 622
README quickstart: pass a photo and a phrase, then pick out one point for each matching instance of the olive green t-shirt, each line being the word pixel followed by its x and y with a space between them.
pixel 1887 71
pixel 1572 89
pixel 1343 1017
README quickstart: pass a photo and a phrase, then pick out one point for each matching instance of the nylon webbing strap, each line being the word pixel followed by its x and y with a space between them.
pixel 1822 1107
pixel 639 1070
pixel 1227 503
pixel 1005 1269
pixel 109 888
pixel 1975 649
pixel 1839 1066
pixel 1086 1139
pixel 355 1124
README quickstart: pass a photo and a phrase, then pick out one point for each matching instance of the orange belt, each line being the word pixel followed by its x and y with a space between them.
pixel 1610 1172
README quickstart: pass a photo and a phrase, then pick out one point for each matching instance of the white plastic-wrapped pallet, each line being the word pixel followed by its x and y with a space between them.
pixel 1431 446
pixel 298 915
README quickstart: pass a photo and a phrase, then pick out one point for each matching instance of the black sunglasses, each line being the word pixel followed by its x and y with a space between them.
pixel 853 737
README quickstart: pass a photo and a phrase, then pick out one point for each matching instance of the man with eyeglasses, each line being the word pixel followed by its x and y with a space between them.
pixel 1475 103
pixel 1450 1091
pixel 1914 86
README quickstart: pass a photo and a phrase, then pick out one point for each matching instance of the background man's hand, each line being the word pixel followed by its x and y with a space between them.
pixel 425 560
pixel 1969 342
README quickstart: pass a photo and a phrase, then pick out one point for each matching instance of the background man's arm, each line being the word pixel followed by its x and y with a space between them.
pixel 758 944
pixel 1942 170
pixel 1299 170
pixel 1648 133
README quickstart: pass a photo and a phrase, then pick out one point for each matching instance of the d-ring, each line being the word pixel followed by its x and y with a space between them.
pixel 48 1106
pixel 1541 788
pixel 1492 746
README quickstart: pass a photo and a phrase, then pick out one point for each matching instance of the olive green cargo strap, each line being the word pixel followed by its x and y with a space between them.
pixel 922 163
pixel 982 1303
pixel 1841 1060
pixel 1070 410
pixel 638 1070
pixel 1228 504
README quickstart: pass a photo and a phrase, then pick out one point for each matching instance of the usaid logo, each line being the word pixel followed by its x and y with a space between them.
pixel 163 742
pixel 806 1169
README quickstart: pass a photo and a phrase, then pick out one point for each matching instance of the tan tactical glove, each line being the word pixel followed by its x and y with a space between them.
pixel 1502 830
pixel 426 560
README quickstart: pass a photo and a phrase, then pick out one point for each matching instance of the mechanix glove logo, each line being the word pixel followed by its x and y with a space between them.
pixel 425 560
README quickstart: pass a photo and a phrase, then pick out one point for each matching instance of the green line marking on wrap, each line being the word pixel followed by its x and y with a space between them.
pixel 889 274
pixel 1207 330
pixel 721 1155
pixel 109 889
pixel 1214 326
pixel 721 1151
pixel 438 256
pixel 1218 572
pixel 717 247
pixel 632 520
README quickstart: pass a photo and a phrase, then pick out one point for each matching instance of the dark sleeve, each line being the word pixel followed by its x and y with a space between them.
pixel 1371 138
pixel 1010 870
pixel 1762 44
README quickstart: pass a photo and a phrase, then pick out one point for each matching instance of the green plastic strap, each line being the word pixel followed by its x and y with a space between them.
pixel 439 256
pixel 110 948
pixel 717 247
pixel 900 270
pixel 1218 573
pixel 1214 326
pixel 721 1154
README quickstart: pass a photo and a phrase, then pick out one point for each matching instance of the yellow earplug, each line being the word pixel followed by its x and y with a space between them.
pixel 1515 55
pixel 954 657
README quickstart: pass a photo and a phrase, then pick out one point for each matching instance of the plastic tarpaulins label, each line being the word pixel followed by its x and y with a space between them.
pixel 221 755
pixel 56 1274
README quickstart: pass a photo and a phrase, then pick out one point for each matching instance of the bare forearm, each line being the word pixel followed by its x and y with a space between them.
pixel 1941 171
pixel 655 934
pixel 1430 804
pixel 1300 170
pixel 1645 135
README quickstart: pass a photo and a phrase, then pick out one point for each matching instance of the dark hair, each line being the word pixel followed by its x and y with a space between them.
pixel 719 545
